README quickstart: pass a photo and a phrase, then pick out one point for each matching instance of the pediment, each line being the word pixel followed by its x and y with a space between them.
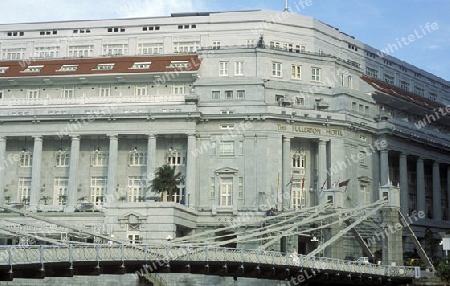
pixel 226 170
pixel 131 218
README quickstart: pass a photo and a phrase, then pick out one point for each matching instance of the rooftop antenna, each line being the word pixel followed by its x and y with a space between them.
pixel 286 6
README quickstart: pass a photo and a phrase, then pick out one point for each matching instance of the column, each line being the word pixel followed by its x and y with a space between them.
pixel 286 173
pixel 151 161
pixel 112 169
pixel 321 168
pixel 404 192
pixel 73 172
pixel 2 168
pixel 191 171
pixel 437 209
pixel 420 185
pixel 448 192
pixel 384 167
pixel 36 172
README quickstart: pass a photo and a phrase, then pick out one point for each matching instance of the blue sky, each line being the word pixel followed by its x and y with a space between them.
pixel 374 22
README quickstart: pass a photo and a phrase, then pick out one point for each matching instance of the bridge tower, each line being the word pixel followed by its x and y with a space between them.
pixel 392 229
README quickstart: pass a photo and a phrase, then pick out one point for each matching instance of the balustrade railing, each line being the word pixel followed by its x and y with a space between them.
pixel 26 254
pixel 150 98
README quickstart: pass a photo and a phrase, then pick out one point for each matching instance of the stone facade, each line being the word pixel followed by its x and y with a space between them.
pixel 281 107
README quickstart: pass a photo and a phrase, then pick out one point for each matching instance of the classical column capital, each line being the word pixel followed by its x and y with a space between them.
pixel 151 136
pixel 113 136
pixel 38 137
pixel 2 138
pixel 75 137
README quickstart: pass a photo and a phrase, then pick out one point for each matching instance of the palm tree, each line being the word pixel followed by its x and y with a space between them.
pixel 166 180
pixel 45 198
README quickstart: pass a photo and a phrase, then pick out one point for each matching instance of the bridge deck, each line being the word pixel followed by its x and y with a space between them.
pixel 40 256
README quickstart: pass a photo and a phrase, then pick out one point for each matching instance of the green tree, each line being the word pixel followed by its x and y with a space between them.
pixel 443 269
pixel 166 180
pixel 431 244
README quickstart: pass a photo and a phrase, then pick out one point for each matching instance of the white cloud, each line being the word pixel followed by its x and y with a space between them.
pixel 149 8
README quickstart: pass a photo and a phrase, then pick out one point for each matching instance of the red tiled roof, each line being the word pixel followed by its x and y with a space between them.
pixel 51 67
pixel 401 93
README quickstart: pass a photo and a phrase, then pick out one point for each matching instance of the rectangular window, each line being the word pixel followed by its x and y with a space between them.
pixel 185 47
pixel 361 108
pixel 60 187
pixel 315 74
pixel 354 106
pixel 68 93
pixel 372 72
pixel 99 158
pixel 26 159
pixel 298 161
pixel 277 69
pixel 349 81
pixel 46 52
pixel 83 51
pixel 141 65
pixel 433 96
pixel 299 101
pixel 24 190
pixel 104 91
pixel 419 90
pixel 226 191
pixel 216 45
pixel 141 90
pixel 250 43
pixel 228 94
pixel 150 48
pixel 2 94
pixel 365 194
pixel 404 85
pixel 175 158
pixel 342 79
pixel 178 89
pixel 33 94
pixel 215 94
pixel 98 189
pixel 227 148
pixel 389 79
pixel 300 48
pixel 241 148
pixel 62 159
pixel 115 50
pixel 104 67
pixel 239 68
pixel 136 158
pixel 13 54
pixel 33 69
pixel 241 188
pixel 135 188
pixel 212 190
pixel 240 94
pixel 223 68
pixel 296 72
pixel 213 148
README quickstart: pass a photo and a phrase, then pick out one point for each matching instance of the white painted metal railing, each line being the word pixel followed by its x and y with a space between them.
pixel 12 255
pixel 161 98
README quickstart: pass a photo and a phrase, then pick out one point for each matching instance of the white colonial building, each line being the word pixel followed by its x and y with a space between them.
pixel 248 105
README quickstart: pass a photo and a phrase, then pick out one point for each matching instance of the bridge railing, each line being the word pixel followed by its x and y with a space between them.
pixel 27 254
